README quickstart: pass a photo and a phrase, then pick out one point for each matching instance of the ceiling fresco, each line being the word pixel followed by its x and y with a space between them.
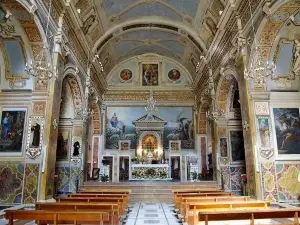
pixel 182 30
pixel 152 41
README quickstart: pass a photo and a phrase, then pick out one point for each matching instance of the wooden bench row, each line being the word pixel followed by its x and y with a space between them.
pixel 76 207
pixel 195 207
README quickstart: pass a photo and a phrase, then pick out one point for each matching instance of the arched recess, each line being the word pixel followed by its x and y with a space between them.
pixel 94 139
pixel 229 133
pixel 71 133
pixel 30 24
pixel 282 22
pixel 279 14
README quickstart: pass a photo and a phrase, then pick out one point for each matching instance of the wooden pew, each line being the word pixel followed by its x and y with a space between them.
pixel 178 197
pixel 195 208
pixel 88 195
pixel 122 202
pixel 184 204
pixel 196 190
pixel 251 215
pixel 112 209
pixel 56 217
pixel 104 191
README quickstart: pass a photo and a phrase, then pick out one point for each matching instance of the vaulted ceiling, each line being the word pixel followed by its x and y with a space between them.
pixel 179 29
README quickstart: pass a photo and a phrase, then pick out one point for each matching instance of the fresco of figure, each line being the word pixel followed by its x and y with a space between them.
pixel 114 121
pixel 76 149
pixel 36 129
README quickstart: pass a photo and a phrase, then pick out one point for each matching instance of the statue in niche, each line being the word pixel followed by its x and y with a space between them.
pixel 36 130
pixel 296 67
pixel 76 149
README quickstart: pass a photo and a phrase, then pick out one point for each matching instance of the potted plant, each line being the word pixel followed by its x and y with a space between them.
pixel 104 178
pixel 194 176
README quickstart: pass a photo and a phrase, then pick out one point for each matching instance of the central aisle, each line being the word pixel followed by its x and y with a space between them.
pixel 151 213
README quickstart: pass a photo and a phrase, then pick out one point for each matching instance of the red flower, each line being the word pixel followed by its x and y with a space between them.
pixel 244 176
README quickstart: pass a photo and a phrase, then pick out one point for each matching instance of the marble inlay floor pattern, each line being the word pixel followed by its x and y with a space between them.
pixel 151 213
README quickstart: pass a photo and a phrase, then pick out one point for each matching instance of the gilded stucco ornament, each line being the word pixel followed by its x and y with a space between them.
pixel 246 125
pixel 54 124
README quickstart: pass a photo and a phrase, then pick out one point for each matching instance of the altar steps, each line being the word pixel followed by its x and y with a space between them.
pixel 151 191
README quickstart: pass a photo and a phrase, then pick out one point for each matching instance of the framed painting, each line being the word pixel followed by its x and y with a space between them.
pixel 124 145
pixel 12 131
pixel 35 137
pixel 149 74
pixel 63 145
pixel 264 132
pixel 287 132
pixel 223 147
pixel 237 146
pixel 175 146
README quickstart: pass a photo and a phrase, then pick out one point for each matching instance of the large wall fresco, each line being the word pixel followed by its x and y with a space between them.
pixel 179 127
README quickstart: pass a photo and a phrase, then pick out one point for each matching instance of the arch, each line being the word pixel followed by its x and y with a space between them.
pixel 147 20
pixel 270 25
pixel 71 74
pixel 152 56
pixel 224 88
pixel 33 30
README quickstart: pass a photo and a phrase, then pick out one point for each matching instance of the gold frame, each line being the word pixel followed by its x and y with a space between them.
pixel 276 55
pixel 8 75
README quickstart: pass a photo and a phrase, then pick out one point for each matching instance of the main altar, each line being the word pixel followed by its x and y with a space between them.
pixel 150 172
pixel 149 162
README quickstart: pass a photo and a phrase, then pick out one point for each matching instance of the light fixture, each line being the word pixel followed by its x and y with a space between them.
pixel 259 71
pixel 220 12
pixel 39 68
pixel 79 11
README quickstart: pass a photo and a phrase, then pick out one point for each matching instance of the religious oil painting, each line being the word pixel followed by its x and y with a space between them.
pixel 63 143
pixel 237 146
pixel 223 147
pixel 264 132
pixel 287 130
pixel 150 74
pixel 179 126
pixel 126 76
pixel 174 76
pixel 35 136
pixel 124 145
pixel 12 130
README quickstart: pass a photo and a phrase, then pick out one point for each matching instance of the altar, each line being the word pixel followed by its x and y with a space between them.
pixel 150 172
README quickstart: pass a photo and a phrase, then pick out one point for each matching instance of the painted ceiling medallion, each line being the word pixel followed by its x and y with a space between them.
pixel 174 76
pixel 126 76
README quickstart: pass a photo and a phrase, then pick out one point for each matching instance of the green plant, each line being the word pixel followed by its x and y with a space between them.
pixel 104 178
pixel 194 175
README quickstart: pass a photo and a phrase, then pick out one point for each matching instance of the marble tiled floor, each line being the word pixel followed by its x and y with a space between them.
pixel 151 213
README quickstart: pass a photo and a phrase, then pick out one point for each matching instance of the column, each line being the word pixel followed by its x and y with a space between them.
pixel 51 122
pixel 248 118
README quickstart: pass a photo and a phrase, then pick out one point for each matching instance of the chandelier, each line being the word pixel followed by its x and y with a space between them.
pixel 39 68
pixel 259 71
